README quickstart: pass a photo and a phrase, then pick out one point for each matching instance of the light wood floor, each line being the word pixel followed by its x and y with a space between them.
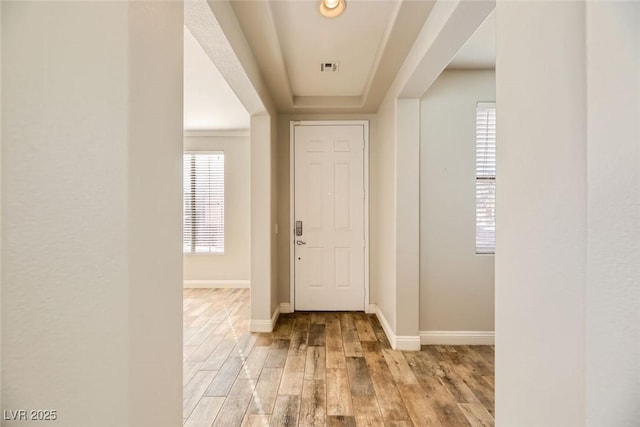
pixel 322 369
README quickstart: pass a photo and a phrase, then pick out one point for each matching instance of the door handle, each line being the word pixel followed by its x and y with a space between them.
pixel 300 242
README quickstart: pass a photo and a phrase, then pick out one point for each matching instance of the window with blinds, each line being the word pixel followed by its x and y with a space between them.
pixel 203 225
pixel 485 178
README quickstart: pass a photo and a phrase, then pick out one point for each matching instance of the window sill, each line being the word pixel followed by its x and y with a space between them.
pixel 202 253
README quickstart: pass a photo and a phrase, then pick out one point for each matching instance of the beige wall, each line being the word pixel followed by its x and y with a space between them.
pixel 395 194
pixel 263 239
pixel 91 226
pixel 273 201
pixel 456 285
pixel 235 264
pixel 541 213
pixel 283 185
pixel 0 200
pixel 264 195
pixel 407 207
pixel 383 218
pixel 613 214
pixel 155 97
pixel 567 268
pixel 216 28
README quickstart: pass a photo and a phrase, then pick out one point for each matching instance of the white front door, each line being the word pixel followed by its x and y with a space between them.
pixel 329 205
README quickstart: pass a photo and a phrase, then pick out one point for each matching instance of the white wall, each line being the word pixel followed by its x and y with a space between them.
pixel 91 227
pixel 234 266
pixel 456 285
pixel 613 214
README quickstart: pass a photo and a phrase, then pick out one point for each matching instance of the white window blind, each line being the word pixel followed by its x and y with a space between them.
pixel 485 178
pixel 203 226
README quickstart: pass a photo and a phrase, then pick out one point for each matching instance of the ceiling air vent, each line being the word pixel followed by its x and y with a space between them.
pixel 329 67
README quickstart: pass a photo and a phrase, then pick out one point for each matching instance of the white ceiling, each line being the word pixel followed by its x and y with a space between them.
pixel 289 40
pixel 209 102
pixel 354 40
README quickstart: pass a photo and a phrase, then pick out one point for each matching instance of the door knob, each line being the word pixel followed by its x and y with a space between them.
pixel 300 242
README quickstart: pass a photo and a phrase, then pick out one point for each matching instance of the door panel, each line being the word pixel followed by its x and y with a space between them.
pixel 329 200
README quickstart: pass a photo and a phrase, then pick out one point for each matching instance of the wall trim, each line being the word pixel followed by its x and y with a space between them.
pixel 386 327
pixel 265 325
pixel 216 283
pixel 407 342
pixel 285 307
pixel 217 132
pixel 398 342
pixel 457 337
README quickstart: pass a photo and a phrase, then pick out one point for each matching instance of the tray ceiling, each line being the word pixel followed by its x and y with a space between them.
pixel 369 41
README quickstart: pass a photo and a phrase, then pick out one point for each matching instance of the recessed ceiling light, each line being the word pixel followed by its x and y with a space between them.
pixel 332 8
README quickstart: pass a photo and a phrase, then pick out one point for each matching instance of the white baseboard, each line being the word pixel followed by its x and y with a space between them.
pixel 386 327
pixel 285 307
pixel 217 283
pixel 370 309
pixel 265 325
pixel 398 342
pixel 457 337
pixel 407 342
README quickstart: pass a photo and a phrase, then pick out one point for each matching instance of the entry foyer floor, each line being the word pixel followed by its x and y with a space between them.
pixel 322 369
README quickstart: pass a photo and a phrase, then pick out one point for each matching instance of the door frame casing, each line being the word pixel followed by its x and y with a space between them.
pixel 291 229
